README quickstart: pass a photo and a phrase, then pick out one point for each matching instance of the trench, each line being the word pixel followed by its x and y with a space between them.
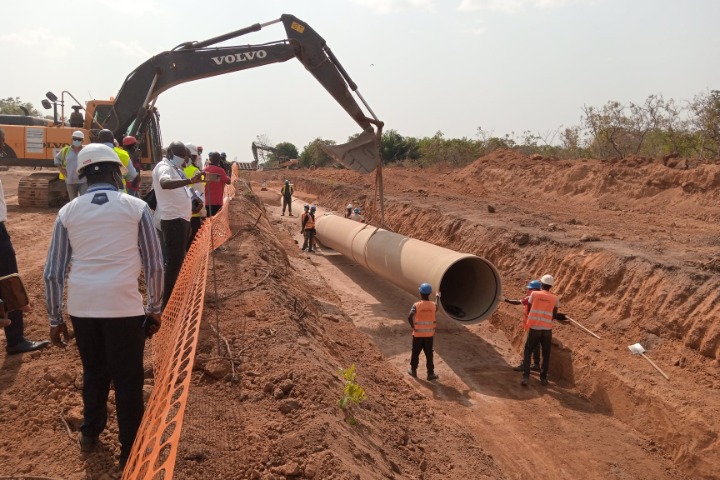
pixel 672 419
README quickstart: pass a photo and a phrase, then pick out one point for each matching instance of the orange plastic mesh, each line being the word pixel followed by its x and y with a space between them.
pixel 156 445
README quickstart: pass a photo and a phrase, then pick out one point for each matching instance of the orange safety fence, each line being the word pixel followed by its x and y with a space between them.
pixel 155 449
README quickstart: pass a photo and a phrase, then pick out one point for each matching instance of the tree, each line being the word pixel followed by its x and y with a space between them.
pixel 15 106
pixel 312 154
pixel 706 108
pixel 287 149
pixel 395 147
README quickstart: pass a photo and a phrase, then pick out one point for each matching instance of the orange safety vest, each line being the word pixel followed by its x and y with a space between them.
pixel 310 222
pixel 424 322
pixel 540 316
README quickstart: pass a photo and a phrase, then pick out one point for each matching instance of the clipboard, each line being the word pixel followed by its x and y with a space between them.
pixel 13 293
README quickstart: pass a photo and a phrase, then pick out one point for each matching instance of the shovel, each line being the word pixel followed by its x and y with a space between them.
pixel 638 349
pixel 562 316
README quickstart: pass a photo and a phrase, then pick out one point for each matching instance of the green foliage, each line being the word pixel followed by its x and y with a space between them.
pixel 313 154
pixel 394 147
pixel 287 149
pixel 352 391
pixel 14 106
pixel 706 108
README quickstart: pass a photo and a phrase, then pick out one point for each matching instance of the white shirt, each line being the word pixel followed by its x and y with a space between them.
pixel 175 203
pixel 106 238
pixel 3 205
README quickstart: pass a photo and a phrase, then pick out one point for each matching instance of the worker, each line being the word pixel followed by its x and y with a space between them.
pixel 197 218
pixel 348 210
pixel 308 229
pixel 224 164
pixel 104 239
pixel 130 145
pixel 286 191
pixel 215 190
pixel 306 212
pixel 423 322
pixel 199 161
pixel 357 216
pixel 174 209
pixel 543 309
pixel 533 286
pixel 15 327
pixel 66 163
pixel 106 137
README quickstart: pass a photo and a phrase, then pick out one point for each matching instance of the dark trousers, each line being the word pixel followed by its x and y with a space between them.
pixel 195 224
pixel 287 202
pixel 535 353
pixel 175 238
pixel 309 240
pixel 535 338
pixel 8 265
pixel 111 349
pixel 212 209
pixel 424 344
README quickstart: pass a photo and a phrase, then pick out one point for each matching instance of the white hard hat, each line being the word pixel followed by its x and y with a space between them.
pixel 78 134
pixel 349 205
pixel 547 280
pixel 193 149
pixel 97 153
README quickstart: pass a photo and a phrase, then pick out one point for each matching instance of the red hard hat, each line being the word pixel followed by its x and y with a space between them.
pixel 200 149
pixel 129 140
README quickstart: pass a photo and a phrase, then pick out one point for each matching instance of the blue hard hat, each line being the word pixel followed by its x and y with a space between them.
pixel 534 285
pixel 425 289
pixel 357 210
pixel 313 208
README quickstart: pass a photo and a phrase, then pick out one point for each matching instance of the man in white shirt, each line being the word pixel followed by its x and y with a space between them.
pixel 14 333
pixel 105 238
pixel 66 163
pixel 174 209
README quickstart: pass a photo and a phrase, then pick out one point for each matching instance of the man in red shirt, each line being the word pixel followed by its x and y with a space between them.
pixel 214 189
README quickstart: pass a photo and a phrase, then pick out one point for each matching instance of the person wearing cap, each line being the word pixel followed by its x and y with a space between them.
pixel 174 210
pixel 348 210
pixel 422 319
pixel 215 190
pixel 357 216
pixel 286 191
pixel 66 163
pixel 199 160
pixel 129 144
pixel 101 242
pixel 106 137
pixel 533 286
pixel 543 307
pixel 15 330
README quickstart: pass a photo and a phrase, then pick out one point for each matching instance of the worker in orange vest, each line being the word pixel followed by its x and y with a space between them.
pixel 543 309
pixel 531 287
pixel 308 228
pixel 423 322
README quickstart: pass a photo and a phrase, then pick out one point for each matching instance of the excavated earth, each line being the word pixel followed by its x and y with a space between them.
pixel 633 245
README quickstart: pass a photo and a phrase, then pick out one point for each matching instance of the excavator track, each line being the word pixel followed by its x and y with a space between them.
pixel 42 190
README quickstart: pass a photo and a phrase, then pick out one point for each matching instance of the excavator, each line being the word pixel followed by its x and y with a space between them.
pixel 133 112
pixel 281 161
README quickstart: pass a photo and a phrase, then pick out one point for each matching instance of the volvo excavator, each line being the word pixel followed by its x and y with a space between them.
pixel 133 112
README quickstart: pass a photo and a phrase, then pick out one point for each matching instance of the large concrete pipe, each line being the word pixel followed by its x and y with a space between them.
pixel 470 285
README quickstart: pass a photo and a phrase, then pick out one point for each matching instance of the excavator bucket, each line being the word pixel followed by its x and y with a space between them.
pixel 361 154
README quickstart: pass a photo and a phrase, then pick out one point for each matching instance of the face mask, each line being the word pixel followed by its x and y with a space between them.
pixel 177 161
pixel 77 143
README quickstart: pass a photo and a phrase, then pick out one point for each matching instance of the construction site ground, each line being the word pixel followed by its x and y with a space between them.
pixel 633 245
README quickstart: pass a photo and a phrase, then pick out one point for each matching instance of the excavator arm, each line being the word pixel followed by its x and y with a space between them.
pixel 190 61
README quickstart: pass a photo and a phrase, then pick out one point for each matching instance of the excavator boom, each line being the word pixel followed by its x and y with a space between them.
pixel 195 60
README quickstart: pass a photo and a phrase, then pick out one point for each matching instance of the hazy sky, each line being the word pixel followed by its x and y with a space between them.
pixel 422 65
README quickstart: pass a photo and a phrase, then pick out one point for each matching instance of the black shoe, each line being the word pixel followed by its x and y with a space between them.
pixel 311 251
pixel 27 346
pixel 433 376
pixel 524 382
pixel 519 368
pixel 412 373
pixel 543 381
pixel 290 215
pixel 535 367
pixel 87 443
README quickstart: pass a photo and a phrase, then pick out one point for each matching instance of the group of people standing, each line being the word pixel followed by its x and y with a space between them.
pixel 101 242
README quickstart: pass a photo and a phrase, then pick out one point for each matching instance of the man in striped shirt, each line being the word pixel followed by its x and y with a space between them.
pixel 105 238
